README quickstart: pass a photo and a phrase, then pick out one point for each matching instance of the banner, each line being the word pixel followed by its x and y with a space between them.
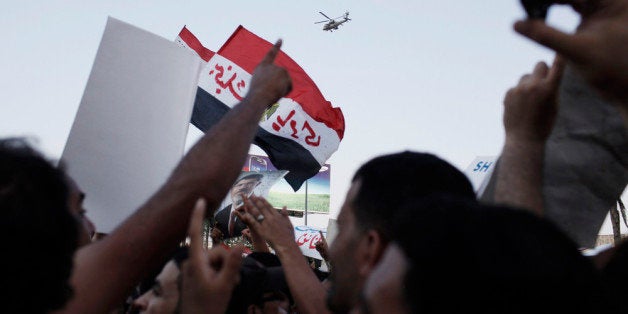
pixel 281 194
pixel 299 133
pixel 479 172
pixel 130 128
pixel 267 179
pixel 306 238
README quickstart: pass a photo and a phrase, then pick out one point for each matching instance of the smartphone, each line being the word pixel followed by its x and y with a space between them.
pixel 536 9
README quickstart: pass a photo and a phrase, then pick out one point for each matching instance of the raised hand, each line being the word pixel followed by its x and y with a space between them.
pixel 529 113
pixel 598 49
pixel 530 107
pixel 272 225
pixel 208 277
pixel 270 82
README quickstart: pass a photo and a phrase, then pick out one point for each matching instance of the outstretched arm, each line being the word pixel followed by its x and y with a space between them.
pixel 599 48
pixel 106 271
pixel 529 113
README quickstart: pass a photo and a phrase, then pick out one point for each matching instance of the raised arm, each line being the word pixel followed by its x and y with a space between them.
pixel 106 271
pixel 529 113
pixel 598 49
pixel 308 292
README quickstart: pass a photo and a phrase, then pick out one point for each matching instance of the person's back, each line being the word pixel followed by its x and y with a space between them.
pixel 38 233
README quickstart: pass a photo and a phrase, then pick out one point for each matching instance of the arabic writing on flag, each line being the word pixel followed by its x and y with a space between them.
pixel 299 133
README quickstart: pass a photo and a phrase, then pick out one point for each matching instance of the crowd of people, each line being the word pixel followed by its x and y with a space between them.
pixel 412 238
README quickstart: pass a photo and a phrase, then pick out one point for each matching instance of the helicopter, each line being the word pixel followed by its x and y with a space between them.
pixel 332 23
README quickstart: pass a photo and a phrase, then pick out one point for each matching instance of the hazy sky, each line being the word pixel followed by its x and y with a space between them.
pixel 420 75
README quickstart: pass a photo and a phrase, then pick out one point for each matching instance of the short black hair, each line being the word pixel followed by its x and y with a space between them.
pixel 36 228
pixel 260 273
pixel 467 257
pixel 388 180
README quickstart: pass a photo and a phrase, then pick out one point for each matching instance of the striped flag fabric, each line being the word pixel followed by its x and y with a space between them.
pixel 298 133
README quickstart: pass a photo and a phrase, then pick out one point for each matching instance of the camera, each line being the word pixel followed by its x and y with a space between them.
pixel 536 9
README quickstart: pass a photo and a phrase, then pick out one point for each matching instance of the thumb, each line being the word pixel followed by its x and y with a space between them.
pixel 570 46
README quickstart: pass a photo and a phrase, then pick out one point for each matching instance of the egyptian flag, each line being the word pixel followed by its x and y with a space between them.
pixel 299 133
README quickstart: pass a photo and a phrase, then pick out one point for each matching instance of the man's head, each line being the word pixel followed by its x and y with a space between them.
pixel 246 184
pixel 164 295
pixel 453 256
pixel 37 228
pixel 379 187
pixel 262 287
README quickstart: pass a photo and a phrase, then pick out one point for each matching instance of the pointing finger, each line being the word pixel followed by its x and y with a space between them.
pixel 272 53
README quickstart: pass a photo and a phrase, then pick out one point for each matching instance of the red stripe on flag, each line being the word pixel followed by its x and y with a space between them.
pixel 195 44
pixel 247 50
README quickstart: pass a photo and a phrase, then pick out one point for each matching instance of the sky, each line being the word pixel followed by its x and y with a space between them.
pixel 422 75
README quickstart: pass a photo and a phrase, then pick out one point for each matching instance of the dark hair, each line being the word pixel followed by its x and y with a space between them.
pixel 259 274
pixel 256 176
pixel 37 228
pixel 388 180
pixel 466 257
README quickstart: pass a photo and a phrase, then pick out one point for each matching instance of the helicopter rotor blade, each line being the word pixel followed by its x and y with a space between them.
pixel 324 15
pixel 321 22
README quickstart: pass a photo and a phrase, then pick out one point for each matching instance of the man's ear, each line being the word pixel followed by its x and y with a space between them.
pixel 372 248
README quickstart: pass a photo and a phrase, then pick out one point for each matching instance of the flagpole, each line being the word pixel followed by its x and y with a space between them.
pixel 306 202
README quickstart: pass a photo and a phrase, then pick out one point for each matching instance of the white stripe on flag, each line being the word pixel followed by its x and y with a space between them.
pixel 290 121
